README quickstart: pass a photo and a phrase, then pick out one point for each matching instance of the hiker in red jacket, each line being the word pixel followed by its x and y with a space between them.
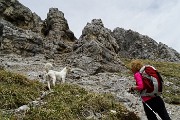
pixel 154 106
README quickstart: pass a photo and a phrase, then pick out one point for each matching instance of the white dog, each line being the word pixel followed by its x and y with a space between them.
pixel 53 76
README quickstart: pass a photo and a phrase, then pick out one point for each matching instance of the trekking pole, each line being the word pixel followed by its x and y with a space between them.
pixel 152 110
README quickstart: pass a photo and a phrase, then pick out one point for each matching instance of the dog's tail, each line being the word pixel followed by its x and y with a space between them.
pixel 48 66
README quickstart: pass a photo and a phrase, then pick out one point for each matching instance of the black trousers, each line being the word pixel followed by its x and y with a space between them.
pixel 158 106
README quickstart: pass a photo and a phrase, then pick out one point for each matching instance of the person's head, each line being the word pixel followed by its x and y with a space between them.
pixel 136 65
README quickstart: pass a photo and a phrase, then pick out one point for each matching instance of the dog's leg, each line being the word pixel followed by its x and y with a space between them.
pixel 54 80
pixel 48 83
pixel 63 78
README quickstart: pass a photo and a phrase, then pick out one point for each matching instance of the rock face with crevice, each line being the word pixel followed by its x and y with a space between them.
pixel 96 50
pixel 19 41
pixel 20 29
pixel 58 37
pixel 134 45
pixel 19 15
pixel 23 32
pixel 27 43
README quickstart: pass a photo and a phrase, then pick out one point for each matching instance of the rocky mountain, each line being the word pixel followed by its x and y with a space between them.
pixel 24 33
pixel 134 45
pixel 27 43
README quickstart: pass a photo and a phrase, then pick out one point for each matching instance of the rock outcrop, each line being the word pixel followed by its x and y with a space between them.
pixel 167 54
pixel 58 37
pixel 95 56
pixel 96 49
pixel 20 29
pixel 134 45
pixel 23 32
pixel 19 15
pixel 19 41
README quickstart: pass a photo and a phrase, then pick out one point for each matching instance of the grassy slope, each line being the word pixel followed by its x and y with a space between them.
pixel 72 102
pixel 16 90
pixel 67 102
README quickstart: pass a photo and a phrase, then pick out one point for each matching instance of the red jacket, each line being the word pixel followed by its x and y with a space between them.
pixel 140 86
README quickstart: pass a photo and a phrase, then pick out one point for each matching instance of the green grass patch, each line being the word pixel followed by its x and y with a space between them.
pixel 16 90
pixel 71 102
pixel 168 69
pixel 171 92
pixel 67 102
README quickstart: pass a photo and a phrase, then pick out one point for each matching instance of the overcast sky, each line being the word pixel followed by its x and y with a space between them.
pixel 158 19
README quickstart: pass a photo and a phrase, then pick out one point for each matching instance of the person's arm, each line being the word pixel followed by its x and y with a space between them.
pixel 139 82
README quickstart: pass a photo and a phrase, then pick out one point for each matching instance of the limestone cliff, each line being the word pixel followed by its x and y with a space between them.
pixel 134 45
pixel 98 48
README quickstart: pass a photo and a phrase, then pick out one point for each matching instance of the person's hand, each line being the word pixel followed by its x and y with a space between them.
pixel 131 89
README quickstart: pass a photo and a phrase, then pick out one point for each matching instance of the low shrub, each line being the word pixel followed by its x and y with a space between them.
pixel 70 102
pixel 67 102
pixel 16 90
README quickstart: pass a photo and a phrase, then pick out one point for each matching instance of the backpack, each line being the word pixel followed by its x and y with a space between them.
pixel 152 81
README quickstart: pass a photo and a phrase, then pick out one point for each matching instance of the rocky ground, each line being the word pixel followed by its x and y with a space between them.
pixel 94 52
pixel 115 83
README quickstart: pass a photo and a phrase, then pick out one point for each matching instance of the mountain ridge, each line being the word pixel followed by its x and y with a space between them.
pixel 27 43
pixel 56 36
